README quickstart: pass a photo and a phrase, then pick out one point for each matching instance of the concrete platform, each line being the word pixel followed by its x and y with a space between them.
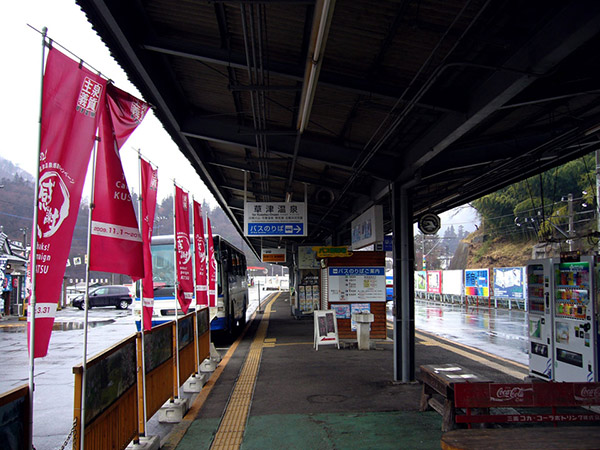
pixel 330 399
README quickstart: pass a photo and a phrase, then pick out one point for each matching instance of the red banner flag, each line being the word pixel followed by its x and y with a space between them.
pixel 115 243
pixel 183 250
pixel 200 259
pixel 149 190
pixel 72 100
pixel 212 268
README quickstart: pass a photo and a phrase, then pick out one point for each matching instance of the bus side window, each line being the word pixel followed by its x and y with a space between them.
pixel 226 260
pixel 237 265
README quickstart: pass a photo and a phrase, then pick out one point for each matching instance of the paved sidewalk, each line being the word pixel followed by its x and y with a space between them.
pixel 326 399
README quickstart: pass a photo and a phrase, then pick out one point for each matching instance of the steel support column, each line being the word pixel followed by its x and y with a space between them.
pixel 404 300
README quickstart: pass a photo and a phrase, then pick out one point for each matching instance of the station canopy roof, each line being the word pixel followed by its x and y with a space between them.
pixel 342 98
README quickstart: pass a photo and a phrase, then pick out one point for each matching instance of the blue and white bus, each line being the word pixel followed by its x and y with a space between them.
pixel 232 286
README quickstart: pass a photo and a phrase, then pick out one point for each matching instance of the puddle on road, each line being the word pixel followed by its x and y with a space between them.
pixel 58 326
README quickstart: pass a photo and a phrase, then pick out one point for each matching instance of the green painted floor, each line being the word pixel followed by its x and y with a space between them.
pixel 410 430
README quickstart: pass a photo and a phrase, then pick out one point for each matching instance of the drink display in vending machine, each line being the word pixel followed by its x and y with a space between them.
pixel 540 309
pixel 302 298
pixel 575 327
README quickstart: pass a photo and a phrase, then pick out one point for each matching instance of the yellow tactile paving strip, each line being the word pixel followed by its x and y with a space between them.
pixel 231 430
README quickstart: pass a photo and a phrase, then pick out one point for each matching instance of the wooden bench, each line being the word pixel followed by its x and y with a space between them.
pixel 534 438
pixel 439 381
pixel 518 406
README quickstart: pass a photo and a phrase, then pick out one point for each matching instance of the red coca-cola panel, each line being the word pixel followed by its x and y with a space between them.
pixel 489 395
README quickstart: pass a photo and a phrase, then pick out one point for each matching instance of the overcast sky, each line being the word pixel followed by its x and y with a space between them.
pixel 20 93
pixel 20 98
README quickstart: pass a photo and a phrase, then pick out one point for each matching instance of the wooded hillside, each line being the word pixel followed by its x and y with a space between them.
pixel 16 217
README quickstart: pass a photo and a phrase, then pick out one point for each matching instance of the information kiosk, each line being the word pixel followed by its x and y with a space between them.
pixel 355 284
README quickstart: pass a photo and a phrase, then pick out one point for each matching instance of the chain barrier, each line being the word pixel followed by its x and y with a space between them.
pixel 62 447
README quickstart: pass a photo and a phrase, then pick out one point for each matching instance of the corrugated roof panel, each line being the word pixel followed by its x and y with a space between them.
pixel 191 21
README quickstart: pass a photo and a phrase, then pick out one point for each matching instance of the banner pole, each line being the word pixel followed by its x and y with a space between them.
pixel 87 295
pixel 195 281
pixel 33 254
pixel 207 268
pixel 176 283
pixel 207 278
pixel 143 319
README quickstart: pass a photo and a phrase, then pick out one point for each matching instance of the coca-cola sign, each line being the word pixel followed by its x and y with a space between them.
pixel 589 394
pixel 510 393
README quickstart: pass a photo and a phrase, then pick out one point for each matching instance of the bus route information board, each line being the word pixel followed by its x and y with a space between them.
pixel 356 284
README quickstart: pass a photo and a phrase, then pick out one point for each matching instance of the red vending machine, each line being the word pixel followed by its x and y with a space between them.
pixel 540 316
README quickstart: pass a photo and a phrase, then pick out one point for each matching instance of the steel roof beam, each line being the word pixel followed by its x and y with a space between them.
pixel 223 57
pixel 229 132
pixel 282 176
pixel 563 34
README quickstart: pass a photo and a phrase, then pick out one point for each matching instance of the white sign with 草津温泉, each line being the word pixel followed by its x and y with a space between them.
pixel 356 284
pixel 275 219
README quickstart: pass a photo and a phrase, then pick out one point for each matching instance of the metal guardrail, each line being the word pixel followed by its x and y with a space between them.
pixel 15 417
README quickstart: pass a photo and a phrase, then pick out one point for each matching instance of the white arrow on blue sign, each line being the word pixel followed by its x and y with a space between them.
pixel 275 219
pixel 275 229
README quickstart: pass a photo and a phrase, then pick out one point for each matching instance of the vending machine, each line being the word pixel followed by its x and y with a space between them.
pixel 575 325
pixel 540 316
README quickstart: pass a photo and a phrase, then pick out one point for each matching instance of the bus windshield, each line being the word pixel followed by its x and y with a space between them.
pixel 163 267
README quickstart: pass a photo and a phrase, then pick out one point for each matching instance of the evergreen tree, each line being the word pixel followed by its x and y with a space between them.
pixel 537 200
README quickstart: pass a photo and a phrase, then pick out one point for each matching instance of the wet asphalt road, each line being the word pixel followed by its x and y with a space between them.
pixel 500 332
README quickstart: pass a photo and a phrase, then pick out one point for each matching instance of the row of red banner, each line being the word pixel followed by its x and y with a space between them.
pixel 205 293
pixel 79 108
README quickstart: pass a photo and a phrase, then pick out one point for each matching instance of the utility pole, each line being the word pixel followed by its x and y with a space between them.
pixel 423 245
pixel 570 231
pixel 24 230
pixel 598 192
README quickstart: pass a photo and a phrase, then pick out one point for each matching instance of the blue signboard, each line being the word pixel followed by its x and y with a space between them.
pixel 388 243
pixel 7 283
pixel 509 282
pixel 364 271
pixel 477 283
pixel 277 229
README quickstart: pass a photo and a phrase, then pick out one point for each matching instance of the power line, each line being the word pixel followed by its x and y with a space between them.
pixel 13 215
